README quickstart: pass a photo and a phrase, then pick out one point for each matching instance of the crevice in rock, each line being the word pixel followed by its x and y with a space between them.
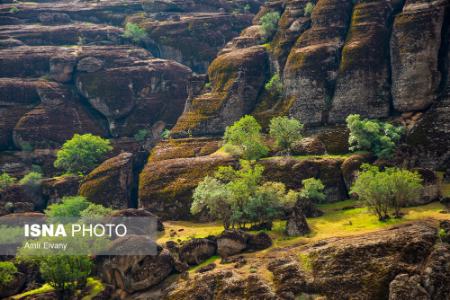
pixel 443 54
pixel 96 115
pixel 397 9
pixel 139 162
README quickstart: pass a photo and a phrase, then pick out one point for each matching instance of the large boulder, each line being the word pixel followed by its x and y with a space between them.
pixel 165 187
pixel 236 79
pixel 405 286
pixel 296 224
pixel 21 198
pixel 13 287
pixel 135 273
pixel 291 172
pixel 415 57
pixel 113 183
pixel 232 242
pixel 184 148
pixel 195 251
pixel 351 166
pixel 54 189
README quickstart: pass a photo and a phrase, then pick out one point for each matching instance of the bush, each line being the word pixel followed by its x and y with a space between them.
pixel 239 197
pixel 309 9
pixel 245 135
pixel 7 271
pixel 274 86
pixel 31 179
pixel 94 212
pixel 70 207
pixel 6 180
pixel 65 273
pixel 393 188
pixel 269 23
pixel 141 135
pixel 286 131
pixel 134 32
pixel 313 190
pixel 82 153
pixel 165 134
pixel 378 137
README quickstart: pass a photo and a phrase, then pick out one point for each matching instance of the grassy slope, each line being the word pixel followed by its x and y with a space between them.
pixel 337 221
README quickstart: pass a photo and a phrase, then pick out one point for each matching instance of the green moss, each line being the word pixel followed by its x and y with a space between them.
pixel 95 287
pixel 46 288
pixel 305 262
pixel 210 260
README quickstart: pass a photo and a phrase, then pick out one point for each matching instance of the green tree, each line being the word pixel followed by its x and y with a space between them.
pixel 141 135
pixel 134 32
pixel 95 212
pixel 378 137
pixel 65 273
pixel 82 153
pixel 285 131
pixel 213 195
pixel 70 207
pixel 313 190
pixel 373 188
pixel 7 272
pixel 245 135
pixel 6 180
pixel 405 187
pixel 309 9
pixel 238 196
pixel 31 179
pixel 269 23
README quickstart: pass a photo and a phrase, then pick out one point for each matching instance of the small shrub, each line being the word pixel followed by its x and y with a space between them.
pixel 6 180
pixel 286 131
pixel 7 271
pixel 309 9
pixel 31 179
pixel 82 153
pixel 95 212
pixel 14 10
pixel 378 137
pixel 245 135
pixel 141 135
pixel 313 190
pixel 269 23
pixel 274 86
pixel 70 207
pixel 165 134
pixel 134 32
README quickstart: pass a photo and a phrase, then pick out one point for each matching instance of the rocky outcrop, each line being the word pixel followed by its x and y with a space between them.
pixel 296 224
pixel 415 57
pixel 311 88
pixel 54 189
pixel 136 273
pixel 236 81
pixel 309 146
pixel 184 148
pixel 231 242
pixel 20 199
pixel 112 184
pixel 351 166
pixel 165 187
pixel 195 251
pixel 292 171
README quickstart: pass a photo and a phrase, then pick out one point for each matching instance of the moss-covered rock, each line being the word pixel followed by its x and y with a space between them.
pixel 112 183
pixel 184 148
pixel 165 187
pixel 236 81
pixel 291 172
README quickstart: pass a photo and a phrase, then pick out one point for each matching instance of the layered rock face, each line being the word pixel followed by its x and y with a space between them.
pixel 66 68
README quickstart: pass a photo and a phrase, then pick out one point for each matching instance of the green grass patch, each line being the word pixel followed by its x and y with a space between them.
pixel 46 288
pixel 95 287
pixel 305 262
pixel 212 259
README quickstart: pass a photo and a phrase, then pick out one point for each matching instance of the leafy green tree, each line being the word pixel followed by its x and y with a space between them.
pixel 373 188
pixel 313 190
pixel 65 273
pixel 269 23
pixel 239 197
pixel 309 9
pixel 372 135
pixel 70 207
pixel 82 153
pixel 405 187
pixel 245 135
pixel 31 179
pixel 286 131
pixel 275 85
pixel 134 32
pixel 6 180
pixel 213 195
pixel 7 271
